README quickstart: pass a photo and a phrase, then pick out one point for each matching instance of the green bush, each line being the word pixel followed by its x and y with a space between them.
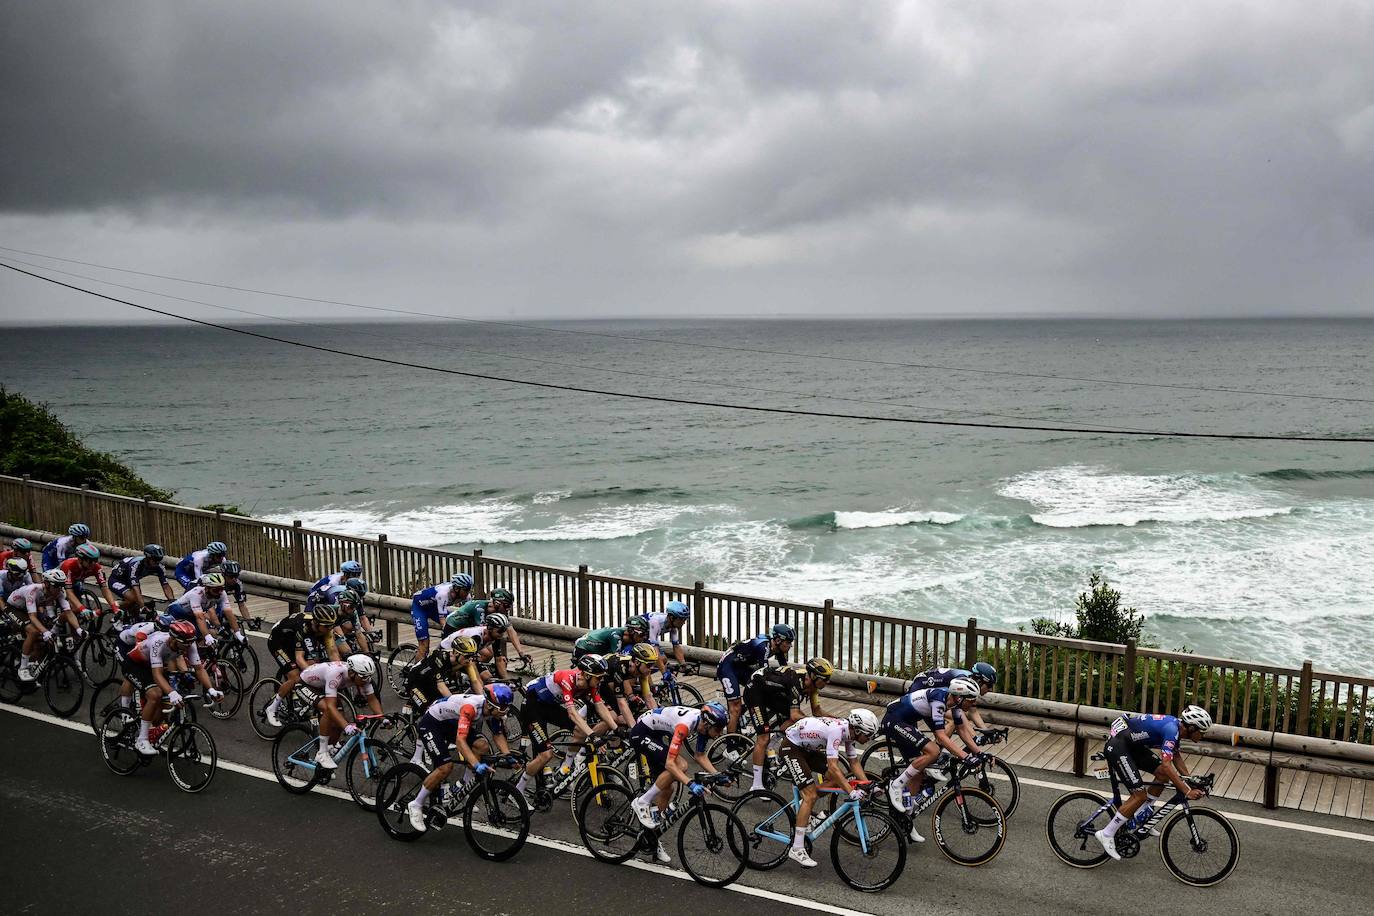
pixel 1100 617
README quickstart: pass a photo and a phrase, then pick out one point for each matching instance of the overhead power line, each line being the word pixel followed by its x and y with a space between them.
pixel 662 399
pixel 868 361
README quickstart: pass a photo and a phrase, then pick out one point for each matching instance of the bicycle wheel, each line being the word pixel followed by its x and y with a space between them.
pixel 1070 825
pixel 63 686
pixel 609 829
pixel 243 657
pixel 259 698
pixel 583 783
pixel 226 679
pixel 104 699
pixel 687 695
pixel 969 831
pixel 363 771
pixel 1008 793
pixel 11 688
pixel 1199 847
pixel 191 757
pixel 878 757
pixel 874 862
pixel 731 754
pixel 117 733
pixel 98 659
pixel 708 845
pixel 396 789
pixel 293 759
pixel 398 663
pixel 765 811
pixel 496 820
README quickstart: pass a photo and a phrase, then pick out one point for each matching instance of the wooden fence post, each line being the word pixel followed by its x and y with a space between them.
pixel 297 560
pixel 698 635
pixel 86 505
pixel 31 502
pixel 393 629
pixel 149 522
pixel 1080 755
pixel 479 579
pixel 1128 666
pixel 584 598
pixel 971 643
pixel 828 630
pixel 1271 786
pixel 1304 698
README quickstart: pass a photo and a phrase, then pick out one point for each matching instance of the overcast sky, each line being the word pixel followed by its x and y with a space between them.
pixel 747 158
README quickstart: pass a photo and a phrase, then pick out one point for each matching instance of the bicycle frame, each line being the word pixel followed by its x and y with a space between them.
pixel 304 757
pixel 1141 831
pixel 815 833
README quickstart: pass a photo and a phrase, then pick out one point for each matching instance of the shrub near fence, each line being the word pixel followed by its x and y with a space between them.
pixel 1272 698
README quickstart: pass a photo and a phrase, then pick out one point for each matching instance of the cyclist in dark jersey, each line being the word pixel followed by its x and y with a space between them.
pixel 300 641
pixel 774 697
pixel 126 577
pixel 740 662
pixel 441 674
pixel 627 690
pixel 1131 746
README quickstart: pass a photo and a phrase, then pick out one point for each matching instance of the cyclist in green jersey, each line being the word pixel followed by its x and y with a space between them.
pixel 473 613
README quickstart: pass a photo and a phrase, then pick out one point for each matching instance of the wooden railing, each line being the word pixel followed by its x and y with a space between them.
pixel 1299 701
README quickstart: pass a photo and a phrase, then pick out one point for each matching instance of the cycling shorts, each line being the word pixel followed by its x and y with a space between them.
pixel 802 765
pixel 770 704
pixel 538 718
pixel 119 589
pixel 140 674
pixel 1128 760
pixel 651 744
pixel 906 739
pixel 421 618
pixel 732 679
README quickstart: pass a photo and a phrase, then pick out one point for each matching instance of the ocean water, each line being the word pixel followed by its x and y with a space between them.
pixel 1242 549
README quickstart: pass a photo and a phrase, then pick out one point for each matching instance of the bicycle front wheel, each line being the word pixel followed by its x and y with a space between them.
pixel 583 783
pixel 608 827
pixel 687 695
pixel 98 659
pixel 396 789
pixel 293 759
pixel 876 860
pixel 191 757
pixel 970 830
pixel 496 820
pixel 11 688
pixel 117 732
pixel 712 846
pixel 364 770
pixel 1199 847
pixel 228 681
pixel 243 657
pixel 398 664
pixel 259 698
pixel 768 824
pixel 730 754
pixel 104 699
pixel 63 686
pixel 1072 820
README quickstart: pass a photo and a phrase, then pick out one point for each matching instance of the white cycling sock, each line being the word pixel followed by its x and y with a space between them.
pixel 272 707
pixel 520 783
pixel 143 725
pixel 650 794
pixel 799 838
pixel 421 796
pixel 126 702
pixel 1117 822
pixel 758 774
pixel 324 745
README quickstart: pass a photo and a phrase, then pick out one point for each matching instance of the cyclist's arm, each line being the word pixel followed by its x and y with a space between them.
pixel 944 737
pixel 978 720
pixel 137 593
pixel 72 597
pixel 835 777
pixel 498 738
pixel 110 601
pixel 331 649
pixel 160 679
pixel 646 690
pixel 474 674
pixel 329 706
pixel 36 622
pixel 515 642
pixel 166 591
pixel 374 705
pixel 857 769
pixel 1167 770
pixel 230 617
pixel 580 725
pixel 301 663
pixel 815 699
pixel 626 714
pixel 965 730
pixel 201 623
pixel 203 677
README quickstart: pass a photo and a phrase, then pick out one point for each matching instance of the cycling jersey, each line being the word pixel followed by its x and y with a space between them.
pixel 678 723
pixel 79 570
pixel 428 604
pixel 422 680
pixel 57 550
pixel 817 733
pixel 35 599
pixel 469 614
pixel 132 571
pixel 132 635
pixel 618 675
pixel 10 552
pixel 603 641
pixel 929 707
pixel 660 625
pixel 936 677
pixel 560 688
pixel 192 567
pixel 321 588
pixel 741 661
pixel 197 601
pixel 292 634
pixel 772 694
pixel 1153 732
pixel 159 649
pixel 329 677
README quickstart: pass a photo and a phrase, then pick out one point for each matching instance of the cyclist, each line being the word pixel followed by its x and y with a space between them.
pixel 198 562
pixel 472 613
pixel 609 640
pixel 431 604
pixel 943 710
pixel 551 702
pixel 744 658
pixel 43 602
pixel 351 626
pixel 146 665
pixel 490 636
pixel 668 624
pixel 15 574
pixel 813 745
pixel 438 674
pixel 627 688
pixel 361 620
pixel 82 565
pixel 126 577
pixel 129 637
pixel 22 549
pixel 233 587
pixel 356 671
pixel 207 606
pixel 459 720
pixel 298 641
pixel 774 697
pixel 59 549
pixel 660 736
pixel 1131 746
pixel 983 673
pixel 348 569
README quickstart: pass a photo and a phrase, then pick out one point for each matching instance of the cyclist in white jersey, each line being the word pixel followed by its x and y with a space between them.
pixel 41 603
pixel 814 744
pixel 660 735
pixel 668 624
pixel 356 671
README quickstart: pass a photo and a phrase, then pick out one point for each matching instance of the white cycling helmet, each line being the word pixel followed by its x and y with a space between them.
pixel 965 688
pixel 55 577
pixel 862 724
pixel 362 666
pixel 1197 717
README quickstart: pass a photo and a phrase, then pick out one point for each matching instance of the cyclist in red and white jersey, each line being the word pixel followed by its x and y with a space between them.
pixel 551 702
pixel 459 720
pixel 814 744
pixel 82 565
pixel 146 666
pixel 42 603
pixel 356 671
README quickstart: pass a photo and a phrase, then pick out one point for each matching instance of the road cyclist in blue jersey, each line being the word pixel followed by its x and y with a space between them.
pixel 198 562
pixel 1149 744
pixel 126 578
pixel 742 659
pixel 64 548
pixel 432 605
pixel 668 625
pixel 661 735
pixel 984 674
pixel 348 569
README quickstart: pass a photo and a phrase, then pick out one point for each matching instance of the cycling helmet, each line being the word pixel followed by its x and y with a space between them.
pixel 464 645
pixel 984 672
pixel 357 586
pixel 23 544
pixel 593 665
pixel 1197 717
pixel 637 623
pixel 55 577
pixel 499 695
pixel 216 549
pixel 362 666
pixel 154 552
pixel 349 597
pixel 678 609
pixel 79 531
pixel 862 724
pixel 645 653
pixel 820 667
pixel 164 621
pixel 182 631
pixel 503 595
pixel 212 580
pixel 351 568
pixel 461 580
pixel 230 568
pixel 497 621
pixel 327 613
pixel 715 713
pixel 964 688
pixel 16 567
pixel 88 552
pixel 783 631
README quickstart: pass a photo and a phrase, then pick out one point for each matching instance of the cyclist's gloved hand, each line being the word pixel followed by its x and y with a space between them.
pixel 47 635
pixel 174 698
pixel 481 769
pixel 697 789
pixel 216 694
pixel 209 640
pixel 80 633
pixel 527 659
pixel 668 677
pixel 857 795
pixel 350 729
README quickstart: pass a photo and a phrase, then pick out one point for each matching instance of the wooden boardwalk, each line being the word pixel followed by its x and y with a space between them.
pixel 1323 794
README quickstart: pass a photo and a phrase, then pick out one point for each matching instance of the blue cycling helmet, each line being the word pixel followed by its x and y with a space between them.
pixel 79 531
pixel 216 549
pixel 351 568
pixel 783 631
pixel 500 695
pixel 678 609
pixel 715 713
pixel 165 620
pixel 461 580
pixel 357 586
pixel 22 544
pixel 984 672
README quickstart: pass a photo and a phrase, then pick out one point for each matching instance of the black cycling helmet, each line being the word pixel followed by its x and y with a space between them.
pixel 593 665
pixel 782 631
pixel 502 595
pixel 230 568
pixel 985 673
pixel 154 552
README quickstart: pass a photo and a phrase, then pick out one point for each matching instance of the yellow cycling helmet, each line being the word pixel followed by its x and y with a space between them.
pixel 645 653
pixel 327 614
pixel 820 667
pixel 464 645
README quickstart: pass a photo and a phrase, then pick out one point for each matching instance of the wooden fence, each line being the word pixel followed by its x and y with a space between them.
pixel 1300 701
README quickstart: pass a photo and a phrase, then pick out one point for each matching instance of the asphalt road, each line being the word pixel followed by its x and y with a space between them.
pixel 77 838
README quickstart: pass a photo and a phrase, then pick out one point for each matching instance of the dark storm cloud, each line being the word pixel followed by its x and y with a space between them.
pixel 643 157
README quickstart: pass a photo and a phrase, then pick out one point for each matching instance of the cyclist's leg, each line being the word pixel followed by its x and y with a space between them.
pixel 800 767
pixel 916 749
pixel 1126 765
pixel 421 618
pixel 733 688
